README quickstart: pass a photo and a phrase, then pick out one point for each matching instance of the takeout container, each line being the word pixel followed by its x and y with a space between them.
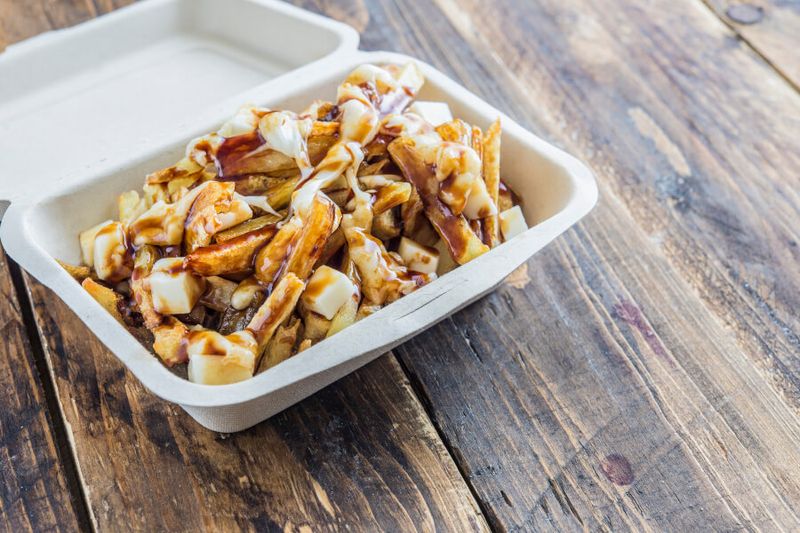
pixel 113 99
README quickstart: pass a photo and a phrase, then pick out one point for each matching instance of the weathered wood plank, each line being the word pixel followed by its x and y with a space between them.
pixel 361 454
pixel 34 493
pixel 771 27
pixel 641 373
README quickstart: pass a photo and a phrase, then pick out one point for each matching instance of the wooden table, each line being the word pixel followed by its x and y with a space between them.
pixel 642 372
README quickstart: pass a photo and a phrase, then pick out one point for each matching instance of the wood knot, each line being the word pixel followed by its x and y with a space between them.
pixel 745 13
pixel 617 469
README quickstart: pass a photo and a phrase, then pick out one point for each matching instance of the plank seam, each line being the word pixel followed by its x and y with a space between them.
pixel 751 46
pixel 64 449
pixel 425 402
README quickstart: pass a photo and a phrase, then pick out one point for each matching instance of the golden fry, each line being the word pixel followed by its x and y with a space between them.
pixel 106 297
pixel 247 226
pixel 234 255
pixel 391 196
pixel 491 175
pixel 80 273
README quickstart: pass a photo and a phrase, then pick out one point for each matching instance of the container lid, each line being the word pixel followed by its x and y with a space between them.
pixel 77 100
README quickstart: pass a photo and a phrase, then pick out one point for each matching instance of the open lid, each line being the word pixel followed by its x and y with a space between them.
pixel 79 99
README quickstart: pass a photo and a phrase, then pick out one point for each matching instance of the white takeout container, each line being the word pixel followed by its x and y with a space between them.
pixel 86 113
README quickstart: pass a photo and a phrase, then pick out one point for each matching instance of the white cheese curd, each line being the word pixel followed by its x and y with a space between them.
pixel 110 253
pixel 86 239
pixel 285 133
pixel 512 222
pixel 417 257
pixel 435 113
pixel 327 291
pixel 244 121
pixel 174 291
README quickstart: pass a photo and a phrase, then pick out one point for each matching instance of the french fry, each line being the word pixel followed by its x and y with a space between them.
pixel 506 198
pixel 491 175
pixel 272 257
pixel 366 309
pixel 247 226
pixel 391 196
pixel 340 196
pixel 477 141
pixel 305 345
pixel 130 206
pixel 168 341
pixel 218 293
pixel 275 310
pixel 80 273
pixel 334 244
pixel 106 297
pixel 234 255
pixel 383 278
pixel 177 188
pixel 411 213
pixel 462 243
pixel 315 326
pixel 143 262
pixel 203 213
pixel 345 316
pixel 183 169
pixel 386 226
pixel 281 346
pixel 456 131
pixel 372 168
pixel 233 319
pixel 322 221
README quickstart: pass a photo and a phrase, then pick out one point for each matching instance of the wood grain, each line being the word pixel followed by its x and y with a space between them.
pixel 706 168
pixel 641 373
pixel 360 455
pixel 771 27
pixel 34 493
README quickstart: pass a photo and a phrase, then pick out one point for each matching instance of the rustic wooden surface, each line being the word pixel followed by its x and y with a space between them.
pixel 34 488
pixel 642 372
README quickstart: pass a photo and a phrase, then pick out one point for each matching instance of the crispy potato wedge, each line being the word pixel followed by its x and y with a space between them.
pixel 234 255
